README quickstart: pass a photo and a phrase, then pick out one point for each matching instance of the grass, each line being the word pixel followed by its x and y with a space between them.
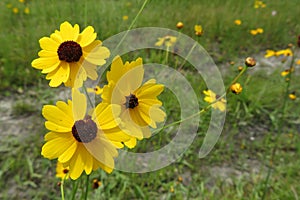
pixel 237 166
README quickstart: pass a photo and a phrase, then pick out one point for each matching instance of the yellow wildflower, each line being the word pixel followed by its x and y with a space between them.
pixel 236 88
pixel 237 22
pixel 270 53
pixel 211 97
pixel 198 30
pixel 167 41
pixel 125 17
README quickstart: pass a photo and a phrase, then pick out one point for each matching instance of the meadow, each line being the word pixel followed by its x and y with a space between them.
pixel 258 153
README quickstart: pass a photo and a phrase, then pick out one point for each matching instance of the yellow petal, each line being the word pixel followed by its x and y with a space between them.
pixel 73 74
pixel 69 152
pixel 57 116
pixel 68 32
pixel 76 164
pixel 97 55
pixel 45 62
pixel 59 75
pixel 131 143
pixel 107 115
pixel 79 104
pixel 49 44
pixel 87 36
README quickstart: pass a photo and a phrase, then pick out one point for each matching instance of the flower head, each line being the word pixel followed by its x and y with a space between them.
pixel 285 52
pixel 292 96
pixel 81 141
pixel 211 97
pixel 285 72
pixel 125 17
pixel 97 90
pixel 198 30
pixel 96 183
pixel 69 57
pixel 270 53
pixel 140 107
pixel 15 10
pixel 236 88
pixel 168 41
pixel 237 22
pixel 26 11
pixel 250 62
pixel 61 171
pixel 179 25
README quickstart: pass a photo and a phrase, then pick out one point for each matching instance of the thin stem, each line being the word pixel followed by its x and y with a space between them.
pixel 74 189
pixel 236 78
pixel 86 187
pixel 88 97
pixel 167 55
pixel 62 189
pixel 85 13
pixel 132 23
pixel 188 55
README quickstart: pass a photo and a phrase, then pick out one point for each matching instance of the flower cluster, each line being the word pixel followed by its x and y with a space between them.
pixel 83 139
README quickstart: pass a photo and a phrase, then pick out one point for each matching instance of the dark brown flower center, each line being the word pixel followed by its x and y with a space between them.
pixel 65 171
pixel 131 101
pixel 69 51
pixel 84 130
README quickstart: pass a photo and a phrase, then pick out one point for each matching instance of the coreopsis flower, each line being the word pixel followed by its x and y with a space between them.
pixel 256 31
pixel 270 53
pixel 259 4
pixel 81 141
pixel 69 57
pixel 250 62
pixel 15 10
pixel 211 97
pixel 285 52
pixel 198 30
pixel 140 107
pixel 179 25
pixel 26 11
pixel 97 90
pixel 96 183
pixel 236 88
pixel 238 22
pixel 292 96
pixel 61 171
pixel 125 17
pixel 240 68
pixel 285 72
pixel 260 30
pixel 298 62
pixel 167 41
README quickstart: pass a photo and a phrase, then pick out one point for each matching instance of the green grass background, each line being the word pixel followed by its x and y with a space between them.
pixel 24 174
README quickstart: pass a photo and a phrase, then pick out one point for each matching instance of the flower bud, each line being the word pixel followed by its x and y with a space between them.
pixel 179 25
pixel 236 88
pixel 250 62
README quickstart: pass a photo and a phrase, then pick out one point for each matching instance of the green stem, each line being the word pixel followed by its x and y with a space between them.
pixel 88 97
pixel 132 23
pixel 85 13
pixel 87 187
pixel 74 189
pixel 280 126
pixel 62 189
pixel 188 55
pixel 167 55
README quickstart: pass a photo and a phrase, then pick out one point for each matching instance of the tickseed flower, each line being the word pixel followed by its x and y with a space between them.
pixel 285 72
pixel 298 62
pixel 61 171
pixel 292 96
pixel 26 10
pixel 168 41
pixel 211 97
pixel 236 88
pixel 15 10
pixel 21 1
pixel 198 30
pixel 285 52
pixel 9 5
pixel 140 107
pixel 97 90
pixel 82 142
pixel 256 31
pixel 237 22
pixel 259 4
pixel 125 17
pixel 69 57
pixel 96 183
pixel 179 25
pixel 250 62
pixel 240 68
pixel 270 53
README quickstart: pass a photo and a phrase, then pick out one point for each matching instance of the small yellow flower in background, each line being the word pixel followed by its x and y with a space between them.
pixel 21 1
pixel 237 22
pixel 70 57
pixel 236 88
pixel 292 96
pixel 285 72
pixel 79 141
pixel 285 52
pixel 97 90
pixel 179 25
pixel 15 10
pixel 240 68
pixel 298 62
pixel 26 10
pixel 172 189
pixel 125 17
pixel 198 30
pixel 96 183
pixel 259 4
pixel 250 62
pixel 9 5
pixel 270 53
pixel 61 171
pixel 140 107
pixel 168 41
pixel 256 31
pixel 211 97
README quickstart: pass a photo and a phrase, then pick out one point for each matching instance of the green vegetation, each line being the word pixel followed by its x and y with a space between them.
pixel 238 165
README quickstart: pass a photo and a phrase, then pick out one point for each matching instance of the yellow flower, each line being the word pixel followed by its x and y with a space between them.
pixel 198 30
pixel 179 25
pixel 167 41
pixel 236 88
pixel 285 52
pixel 61 171
pixel 125 17
pixel 21 1
pixel 253 32
pixel 270 53
pixel 256 31
pixel 285 72
pixel 250 62
pixel 97 90
pixel 140 107
pixel 238 22
pixel 259 4
pixel 211 97
pixel 96 183
pixel 292 96
pixel 298 62
pixel 82 142
pixel 260 30
pixel 70 57
pixel 26 10
pixel 9 5
pixel 15 10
